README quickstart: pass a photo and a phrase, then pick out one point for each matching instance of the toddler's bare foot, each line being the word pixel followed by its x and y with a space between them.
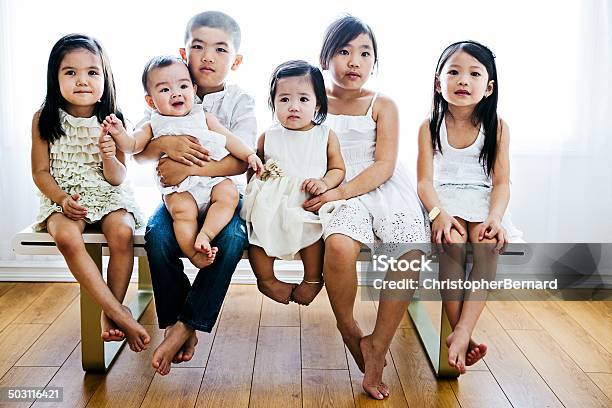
pixel 203 259
pixel 475 352
pixel 457 343
pixel 175 338
pixel 202 243
pixel 137 337
pixel 306 291
pixel 374 359
pixel 110 331
pixel 276 290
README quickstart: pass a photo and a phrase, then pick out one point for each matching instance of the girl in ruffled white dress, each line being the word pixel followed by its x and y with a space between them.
pixel 170 93
pixel 463 177
pixel 302 159
pixel 79 174
pixel 382 206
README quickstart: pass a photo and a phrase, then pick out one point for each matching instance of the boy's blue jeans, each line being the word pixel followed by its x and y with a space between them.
pixel 196 305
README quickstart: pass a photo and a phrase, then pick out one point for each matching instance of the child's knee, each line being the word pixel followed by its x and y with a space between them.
pixel 182 208
pixel 67 241
pixel 225 193
pixel 122 235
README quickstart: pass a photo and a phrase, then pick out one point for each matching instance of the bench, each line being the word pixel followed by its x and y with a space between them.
pixel 98 355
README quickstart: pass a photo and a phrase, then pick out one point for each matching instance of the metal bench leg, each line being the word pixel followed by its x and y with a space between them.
pixel 435 345
pixel 96 354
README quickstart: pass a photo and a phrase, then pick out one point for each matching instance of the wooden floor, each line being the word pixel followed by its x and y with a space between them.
pixel 261 354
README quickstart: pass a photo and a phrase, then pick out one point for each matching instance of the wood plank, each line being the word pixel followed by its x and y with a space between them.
pixel 5 287
pixel 277 372
pixel 50 304
pixel 227 379
pixel 479 389
pixel 56 344
pixel 25 377
pixel 78 386
pixel 516 376
pixel 17 299
pixel 604 382
pixel 419 384
pixel 322 346
pixel 128 380
pixel 572 337
pixel 595 318
pixel 149 316
pixel 15 340
pixel 365 314
pixel 510 313
pixel 278 314
pixel 326 388
pixel 569 383
pixel 177 389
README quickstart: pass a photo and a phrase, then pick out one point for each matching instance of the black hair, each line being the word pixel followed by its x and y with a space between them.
pixel 159 62
pixel 340 33
pixel 297 68
pixel 49 121
pixel 215 19
pixel 485 112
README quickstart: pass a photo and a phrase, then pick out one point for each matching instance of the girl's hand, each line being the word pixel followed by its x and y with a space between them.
pixel 314 186
pixel 172 173
pixel 255 163
pixel 491 228
pixel 186 150
pixel 112 125
pixel 441 229
pixel 72 209
pixel 317 202
pixel 108 149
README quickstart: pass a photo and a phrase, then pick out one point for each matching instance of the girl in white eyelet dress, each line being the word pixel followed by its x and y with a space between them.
pixel 392 212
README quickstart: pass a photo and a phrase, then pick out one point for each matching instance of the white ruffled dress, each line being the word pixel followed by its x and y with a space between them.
pixel 272 208
pixel 76 166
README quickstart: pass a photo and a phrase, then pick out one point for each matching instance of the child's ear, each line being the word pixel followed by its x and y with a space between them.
pixel 490 87
pixel 237 62
pixel 437 85
pixel 150 102
pixel 183 54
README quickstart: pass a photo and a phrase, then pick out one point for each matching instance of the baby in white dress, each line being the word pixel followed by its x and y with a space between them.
pixel 171 92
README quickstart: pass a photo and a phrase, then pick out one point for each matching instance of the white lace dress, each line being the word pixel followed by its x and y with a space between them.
pixel 193 124
pixel 392 212
pixel 272 208
pixel 76 166
pixel 463 187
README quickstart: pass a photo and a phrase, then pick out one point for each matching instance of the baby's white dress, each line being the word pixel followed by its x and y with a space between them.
pixel 462 185
pixel 389 214
pixel 272 209
pixel 76 166
pixel 193 124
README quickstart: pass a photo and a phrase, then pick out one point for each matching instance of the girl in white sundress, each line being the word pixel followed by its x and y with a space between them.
pixel 382 205
pixel 79 174
pixel 302 159
pixel 463 177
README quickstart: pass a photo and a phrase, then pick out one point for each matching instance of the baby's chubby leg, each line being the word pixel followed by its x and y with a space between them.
pixel 312 258
pixel 223 201
pixel 184 211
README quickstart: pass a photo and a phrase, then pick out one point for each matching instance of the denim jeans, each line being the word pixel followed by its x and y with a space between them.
pixel 176 299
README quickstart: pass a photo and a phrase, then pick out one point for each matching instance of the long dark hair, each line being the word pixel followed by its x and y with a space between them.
pixel 297 68
pixel 49 122
pixel 485 112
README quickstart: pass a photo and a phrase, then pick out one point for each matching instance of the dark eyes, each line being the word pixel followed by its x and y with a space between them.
pixel 473 73
pixel 200 47
pixel 343 52
pixel 365 54
pixel 164 90
pixel 304 99
pixel 184 86
pixel 284 99
pixel 221 49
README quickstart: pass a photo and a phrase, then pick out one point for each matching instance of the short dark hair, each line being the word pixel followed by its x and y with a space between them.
pixel 215 19
pixel 158 62
pixel 49 123
pixel 340 33
pixel 297 68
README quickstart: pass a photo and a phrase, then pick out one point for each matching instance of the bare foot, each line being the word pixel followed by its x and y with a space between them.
pixel 176 337
pixel 374 360
pixel 457 343
pixel 475 352
pixel 276 290
pixel 187 350
pixel 202 243
pixel 305 292
pixel 110 331
pixel 203 259
pixel 351 338
pixel 137 337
